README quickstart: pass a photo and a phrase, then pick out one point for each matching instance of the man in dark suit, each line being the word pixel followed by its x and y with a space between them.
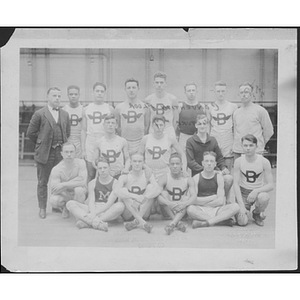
pixel 49 128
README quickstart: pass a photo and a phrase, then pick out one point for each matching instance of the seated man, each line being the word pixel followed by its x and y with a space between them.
pixel 101 205
pixel 137 191
pixel 252 181
pixel 178 193
pixel 209 207
pixel 67 180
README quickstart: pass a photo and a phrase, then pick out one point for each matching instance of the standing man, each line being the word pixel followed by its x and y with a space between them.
pixel 250 118
pixel 49 128
pixel 67 180
pixel 188 112
pixel 178 193
pixel 92 125
pixel 164 104
pixel 221 112
pixel 210 208
pixel 201 142
pixel 113 147
pixel 133 116
pixel 74 109
pixel 252 181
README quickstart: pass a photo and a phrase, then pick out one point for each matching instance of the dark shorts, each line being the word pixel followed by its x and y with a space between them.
pixel 245 193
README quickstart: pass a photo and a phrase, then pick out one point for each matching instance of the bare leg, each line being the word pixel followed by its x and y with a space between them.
pixel 91 171
pixel 224 213
pixel 113 212
pixel 80 194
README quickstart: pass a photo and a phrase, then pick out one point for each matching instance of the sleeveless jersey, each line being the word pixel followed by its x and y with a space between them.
pixel 188 116
pixel 132 116
pixel 252 176
pixel 75 115
pixel 157 152
pixel 176 187
pixel 161 106
pixel 95 115
pixel 136 185
pixel 207 187
pixel 222 126
pixel 102 191
pixel 112 151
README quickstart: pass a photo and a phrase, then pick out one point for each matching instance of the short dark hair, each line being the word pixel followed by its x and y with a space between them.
pixel 101 159
pixel 247 84
pixel 132 80
pixel 109 117
pixel 175 155
pixel 249 137
pixel 136 153
pixel 99 84
pixel 220 82
pixel 67 144
pixel 158 118
pixel 54 88
pixel 212 153
pixel 190 83
pixel 160 74
pixel 73 87
pixel 201 116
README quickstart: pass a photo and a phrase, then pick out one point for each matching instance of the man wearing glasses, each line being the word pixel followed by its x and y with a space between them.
pixel 250 118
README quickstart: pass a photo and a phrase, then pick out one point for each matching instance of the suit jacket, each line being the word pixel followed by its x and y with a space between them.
pixel 40 132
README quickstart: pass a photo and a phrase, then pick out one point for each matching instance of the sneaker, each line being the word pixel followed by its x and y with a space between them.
pixel 148 227
pixel 56 210
pixel 259 218
pixel 196 224
pixel 169 229
pixel 80 224
pixel 131 225
pixel 100 225
pixel 181 226
pixel 230 222
pixel 65 213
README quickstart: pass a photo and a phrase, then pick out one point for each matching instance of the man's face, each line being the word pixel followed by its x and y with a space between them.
pixel 158 126
pixel 103 169
pixel 99 93
pixel 175 165
pixel 68 152
pixel 137 162
pixel 53 98
pixel 73 95
pixel 110 125
pixel 201 125
pixel 191 91
pixel 209 162
pixel 159 84
pixel 245 94
pixel 131 89
pixel 249 147
pixel 220 91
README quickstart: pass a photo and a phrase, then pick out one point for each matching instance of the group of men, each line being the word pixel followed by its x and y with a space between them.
pixel 153 156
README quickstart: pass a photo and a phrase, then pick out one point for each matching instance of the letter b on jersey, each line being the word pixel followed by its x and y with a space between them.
pixel 157 152
pixel 132 116
pixel 176 194
pixel 136 190
pixel 75 120
pixel 221 118
pixel 97 117
pixel 251 176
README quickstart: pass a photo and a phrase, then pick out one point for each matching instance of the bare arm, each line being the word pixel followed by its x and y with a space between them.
pixel 118 117
pixel 236 185
pixel 161 198
pixel 147 119
pixel 122 192
pixel 126 157
pixel 91 197
pixel 83 132
pixel 178 148
pixel 220 193
pixel 175 113
pixel 80 180
pixel 267 126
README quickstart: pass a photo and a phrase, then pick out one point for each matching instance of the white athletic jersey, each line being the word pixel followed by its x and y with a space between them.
pixel 137 185
pixel 75 115
pixel 95 115
pixel 176 187
pixel 161 106
pixel 112 151
pixel 132 118
pixel 222 126
pixel 252 173
pixel 157 152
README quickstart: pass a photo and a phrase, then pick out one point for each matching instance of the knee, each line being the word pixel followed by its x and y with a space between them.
pixel 263 198
pixel 79 192
pixel 70 204
pixel 242 219
pixel 56 201
pixel 120 207
pixel 190 210
pixel 235 208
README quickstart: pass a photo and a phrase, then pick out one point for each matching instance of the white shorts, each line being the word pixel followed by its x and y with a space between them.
pixel 182 140
pixel 90 144
pixel 211 211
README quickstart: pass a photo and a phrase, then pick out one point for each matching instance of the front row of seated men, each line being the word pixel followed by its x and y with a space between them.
pixel 137 193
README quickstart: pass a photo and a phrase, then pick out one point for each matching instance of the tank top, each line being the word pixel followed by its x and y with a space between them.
pixel 207 187
pixel 136 185
pixel 188 116
pixel 176 187
pixel 252 175
pixel 112 151
pixel 132 118
pixel 95 115
pixel 102 191
pixel 157 152
pixel 75 115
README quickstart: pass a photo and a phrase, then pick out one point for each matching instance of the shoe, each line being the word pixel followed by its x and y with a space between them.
pixel 131 225
pixel 169 229
pixel 42 213
pixel 80 224
pixel 148 227
pixel 230 222
pixel 65 213
pixel 100 225
pixel 196 224
pixel 56 210
pixel 182 226
pixel 258 218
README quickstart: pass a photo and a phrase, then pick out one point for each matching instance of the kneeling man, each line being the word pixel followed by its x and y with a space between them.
pixel 101 205
pixel 209 207
pixel 67 180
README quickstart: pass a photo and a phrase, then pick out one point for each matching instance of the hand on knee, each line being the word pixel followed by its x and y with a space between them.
pixel 242 219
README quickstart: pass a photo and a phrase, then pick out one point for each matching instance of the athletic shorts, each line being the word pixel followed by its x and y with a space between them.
pixel 90 147
pixel 77 142
pixel 182 140
pixel 245 193
pixel 133 146
pixel 211 211
pixel 158 173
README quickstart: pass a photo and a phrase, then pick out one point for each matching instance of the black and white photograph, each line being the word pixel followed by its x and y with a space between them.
pixel 149 150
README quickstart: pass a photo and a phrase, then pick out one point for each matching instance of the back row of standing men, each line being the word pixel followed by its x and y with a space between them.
pixel 173 122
